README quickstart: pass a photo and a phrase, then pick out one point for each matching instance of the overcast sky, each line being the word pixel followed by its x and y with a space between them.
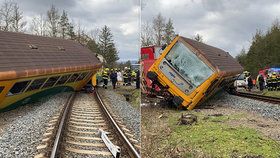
pixel 122 16
pixel 226 24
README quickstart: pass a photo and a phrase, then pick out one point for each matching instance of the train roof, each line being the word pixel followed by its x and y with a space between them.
pixel 218 58
pixel 23 55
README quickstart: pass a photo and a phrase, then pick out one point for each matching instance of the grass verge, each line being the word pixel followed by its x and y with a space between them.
pixel 211 136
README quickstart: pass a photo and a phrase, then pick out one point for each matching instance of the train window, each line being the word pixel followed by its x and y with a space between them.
pixel 188 64
pixel 51 81
pixel 63 79
pixel 82 76
pixel 73 78
pixel 36 84
pixel 1 88
pixel 18 88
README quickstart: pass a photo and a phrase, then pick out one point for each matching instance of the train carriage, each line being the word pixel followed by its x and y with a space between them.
pixel 32 67
pixel 189 72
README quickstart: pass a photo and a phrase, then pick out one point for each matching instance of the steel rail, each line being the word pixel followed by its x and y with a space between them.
pixel 273 100
pixel 131 150
pixel 61 126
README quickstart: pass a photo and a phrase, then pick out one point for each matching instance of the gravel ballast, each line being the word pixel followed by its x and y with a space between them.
pixel 264 108
pixel 123 109
pixel 25 126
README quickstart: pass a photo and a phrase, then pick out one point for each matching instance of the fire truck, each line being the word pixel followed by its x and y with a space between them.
pixel 149 55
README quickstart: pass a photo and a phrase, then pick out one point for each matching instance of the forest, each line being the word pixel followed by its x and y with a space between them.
pixel 264 50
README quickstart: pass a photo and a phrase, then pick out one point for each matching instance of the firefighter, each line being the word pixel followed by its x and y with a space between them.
pixel 125 76
pixel 133 76
pixel 268 83
pixel 105 76
pixel 128 76
pixel 274 81
pixel 278 82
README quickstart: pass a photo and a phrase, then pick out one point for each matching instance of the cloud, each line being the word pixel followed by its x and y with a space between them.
pixel 122 16
pixel 226 24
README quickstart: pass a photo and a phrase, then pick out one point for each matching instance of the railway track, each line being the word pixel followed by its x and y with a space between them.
pixel 85 128
pixel 273 100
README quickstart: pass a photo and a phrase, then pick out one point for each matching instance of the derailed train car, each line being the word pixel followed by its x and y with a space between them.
pixel 32 67
pixel 188 72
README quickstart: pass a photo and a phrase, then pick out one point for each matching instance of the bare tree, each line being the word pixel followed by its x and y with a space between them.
pixel 39 25
pixel 53 19
pixel 6 14
pixel 81 35
pixel 146 34
pixel 158 26
pixel 198 38
pixel 17 17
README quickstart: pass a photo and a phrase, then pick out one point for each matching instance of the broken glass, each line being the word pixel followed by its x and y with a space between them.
pixel 188 64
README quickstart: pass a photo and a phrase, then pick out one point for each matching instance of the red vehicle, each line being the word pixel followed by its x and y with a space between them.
pixel 263 72
pixel 268 71
pixel 148 56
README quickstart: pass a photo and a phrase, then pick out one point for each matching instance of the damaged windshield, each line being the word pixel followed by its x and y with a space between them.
pixel 188 64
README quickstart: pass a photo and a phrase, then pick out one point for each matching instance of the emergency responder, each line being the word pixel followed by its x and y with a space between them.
pixel 274 81
pixel 105 75
pixel 268 83
pixel 250 83
pixel 133 76
pixel 278 82
pixel 128 76
pixel 125 76
pixel 113 77
pixel 137 79
pixel 261 82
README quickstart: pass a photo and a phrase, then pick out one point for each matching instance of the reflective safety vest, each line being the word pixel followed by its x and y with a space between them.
pixel 133 74
pixel 125 75
pixel 105 75
pixel 274 78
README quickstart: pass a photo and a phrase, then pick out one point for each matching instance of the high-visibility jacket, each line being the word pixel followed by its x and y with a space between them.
pixel 105 74
pixel 133 74
pixel 273 78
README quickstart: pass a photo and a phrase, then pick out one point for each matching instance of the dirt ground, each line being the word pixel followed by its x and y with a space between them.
pixel 219 132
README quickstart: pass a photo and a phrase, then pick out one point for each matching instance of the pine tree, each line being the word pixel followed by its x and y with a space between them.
pixel 70 31
pixel 93 46
pixel 169 33
pixel 107 46
pixel 63 24
pixel 53 19
pixel 264 50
